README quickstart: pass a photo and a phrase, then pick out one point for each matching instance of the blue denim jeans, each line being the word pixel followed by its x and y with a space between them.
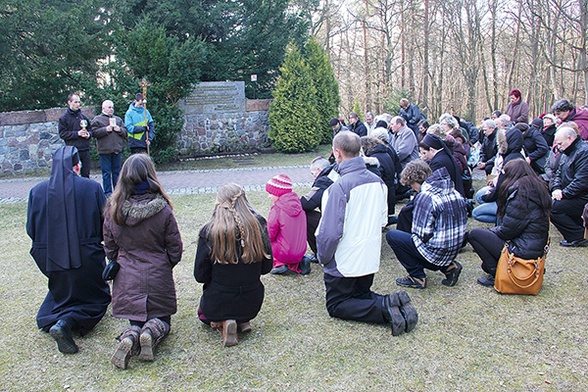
pixel 110 165
pixel 485 212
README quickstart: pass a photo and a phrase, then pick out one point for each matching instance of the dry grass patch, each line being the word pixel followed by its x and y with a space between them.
pixel 468 337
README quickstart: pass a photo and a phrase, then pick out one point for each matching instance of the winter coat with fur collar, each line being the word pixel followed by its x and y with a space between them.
pixel 147 247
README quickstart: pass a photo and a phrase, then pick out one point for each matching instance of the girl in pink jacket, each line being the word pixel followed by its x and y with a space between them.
pixel 286 224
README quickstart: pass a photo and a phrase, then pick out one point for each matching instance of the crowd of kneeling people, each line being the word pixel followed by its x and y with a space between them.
pixel 351 202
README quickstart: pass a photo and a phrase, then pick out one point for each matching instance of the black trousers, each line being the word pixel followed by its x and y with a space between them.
pixel 488 246
pixel 312 221
pixel 86 162
pixel 566 215
pixel 352 299
pixel 138 150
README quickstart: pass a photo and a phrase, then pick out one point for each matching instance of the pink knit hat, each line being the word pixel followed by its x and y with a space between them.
pixel 279 185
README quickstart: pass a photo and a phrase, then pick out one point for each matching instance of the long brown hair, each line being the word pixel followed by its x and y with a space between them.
pixel 234 229
pixel 518 172
pixel 138 168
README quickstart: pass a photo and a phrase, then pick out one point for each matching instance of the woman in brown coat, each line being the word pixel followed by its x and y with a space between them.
pixel 141 234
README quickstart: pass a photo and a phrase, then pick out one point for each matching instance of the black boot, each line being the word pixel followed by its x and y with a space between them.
pixel 61 332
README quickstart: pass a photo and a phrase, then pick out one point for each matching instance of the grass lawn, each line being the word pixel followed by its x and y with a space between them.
pixel 468 337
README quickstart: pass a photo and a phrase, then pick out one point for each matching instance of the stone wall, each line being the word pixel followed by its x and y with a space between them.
pixel 28 138
pixel 211 133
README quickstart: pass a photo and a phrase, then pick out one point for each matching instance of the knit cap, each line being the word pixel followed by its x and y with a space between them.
pixel 279 185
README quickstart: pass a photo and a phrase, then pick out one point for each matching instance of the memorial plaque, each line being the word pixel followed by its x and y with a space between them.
pixel 215 97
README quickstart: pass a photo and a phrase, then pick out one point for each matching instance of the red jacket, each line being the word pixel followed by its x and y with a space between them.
pixel 580 117
pixel 286 224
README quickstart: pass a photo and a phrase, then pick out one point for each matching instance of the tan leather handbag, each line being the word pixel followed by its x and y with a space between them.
pixel 515 275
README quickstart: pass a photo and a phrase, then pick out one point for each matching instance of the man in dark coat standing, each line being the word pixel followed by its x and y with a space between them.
pixel 64 220
pixel 75 130
pixel 412 114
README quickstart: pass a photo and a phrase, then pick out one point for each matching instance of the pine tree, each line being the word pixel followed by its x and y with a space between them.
pixel 293 113
pixel 327 89
pixel 357 109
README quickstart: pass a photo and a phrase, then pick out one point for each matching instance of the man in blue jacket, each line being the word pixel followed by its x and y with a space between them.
pixel 140 126
pixel 349 241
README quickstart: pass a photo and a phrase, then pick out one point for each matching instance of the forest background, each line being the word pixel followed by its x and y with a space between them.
pixel 460 56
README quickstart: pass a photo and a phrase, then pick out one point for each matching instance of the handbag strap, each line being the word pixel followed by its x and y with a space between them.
pixel 513 276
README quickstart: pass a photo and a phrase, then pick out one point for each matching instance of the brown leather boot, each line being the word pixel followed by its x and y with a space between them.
pixel 229 333
pixel 153 331
pixel 128 347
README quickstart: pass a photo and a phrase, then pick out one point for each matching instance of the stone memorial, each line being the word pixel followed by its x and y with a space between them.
pixel 215 97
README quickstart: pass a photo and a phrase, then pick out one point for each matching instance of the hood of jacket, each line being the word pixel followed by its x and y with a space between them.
pixel 135 109
pixel 378 149
pixel 350 165
pixel 514 140
pixel 290 204
pixel 438 183
pixel 140 207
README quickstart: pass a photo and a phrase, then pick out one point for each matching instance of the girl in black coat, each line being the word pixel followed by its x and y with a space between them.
pixel 524 205
pixel 233 252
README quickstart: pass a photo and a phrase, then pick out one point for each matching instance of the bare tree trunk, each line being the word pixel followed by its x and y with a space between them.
pixel 403 33
pixel 366 64
pixel 426 30
pixel 515 46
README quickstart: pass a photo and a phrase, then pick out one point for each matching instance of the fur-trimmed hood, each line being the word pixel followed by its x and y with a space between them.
pixel 140 207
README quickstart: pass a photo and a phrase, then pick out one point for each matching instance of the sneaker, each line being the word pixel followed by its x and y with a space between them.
pixel 279 270
pixel 452 275
pixel 394 316
pixel 486 282
pixel 402 301
pixel 392 220
pixel 312 258
pixel 412 282
pixel 305 266
pixel 574 244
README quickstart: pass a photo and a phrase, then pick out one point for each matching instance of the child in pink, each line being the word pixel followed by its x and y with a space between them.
pixel 286 224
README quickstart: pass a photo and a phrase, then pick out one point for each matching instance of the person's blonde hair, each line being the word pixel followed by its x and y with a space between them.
pixel 234 230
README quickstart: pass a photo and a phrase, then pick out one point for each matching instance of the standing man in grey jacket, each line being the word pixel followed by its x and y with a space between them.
pixel 349 240
pixel 111 135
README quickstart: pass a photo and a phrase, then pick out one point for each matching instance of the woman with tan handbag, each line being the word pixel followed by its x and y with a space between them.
pixel 524 205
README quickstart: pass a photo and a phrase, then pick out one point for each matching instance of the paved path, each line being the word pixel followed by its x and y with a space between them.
pixel 183 182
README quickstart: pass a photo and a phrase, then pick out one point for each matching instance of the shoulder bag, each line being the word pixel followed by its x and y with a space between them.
pixel 515 275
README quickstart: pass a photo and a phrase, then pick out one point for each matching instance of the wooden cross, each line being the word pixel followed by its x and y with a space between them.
pixel 144 84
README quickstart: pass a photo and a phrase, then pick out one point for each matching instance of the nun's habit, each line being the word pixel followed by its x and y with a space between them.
pixel 64 220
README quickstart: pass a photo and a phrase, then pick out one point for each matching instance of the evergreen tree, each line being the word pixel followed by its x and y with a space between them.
pixel 327 89
pixel 357 109
pixel 293 113
pixel 49 49
pixel 172 67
